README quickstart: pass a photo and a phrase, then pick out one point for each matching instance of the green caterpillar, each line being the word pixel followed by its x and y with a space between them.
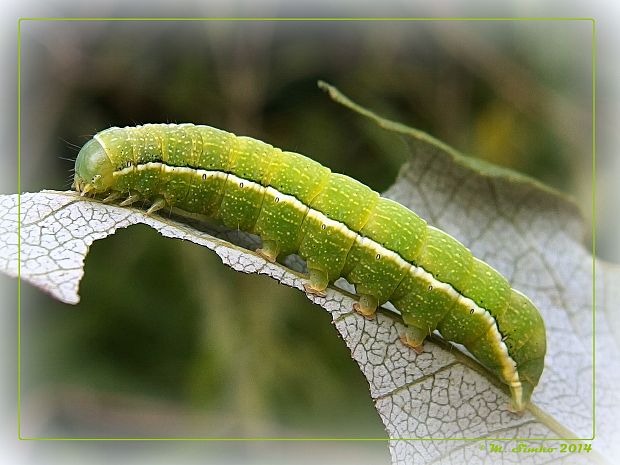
pixel 339 226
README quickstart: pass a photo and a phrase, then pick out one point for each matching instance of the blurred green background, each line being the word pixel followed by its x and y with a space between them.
pixel 167 341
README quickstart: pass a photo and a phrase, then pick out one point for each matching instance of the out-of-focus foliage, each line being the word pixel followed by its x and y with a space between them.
pixel 165 339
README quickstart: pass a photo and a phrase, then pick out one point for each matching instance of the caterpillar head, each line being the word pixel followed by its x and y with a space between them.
pixel 93 169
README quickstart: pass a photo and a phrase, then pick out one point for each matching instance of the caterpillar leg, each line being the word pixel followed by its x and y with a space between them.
pixel 269 251
pixel 157 205
pixel 114 195
pixel 520 393
pixel 133 198
pixel 86 189
pixel 318 281
pixel 414 338
pixel 367 306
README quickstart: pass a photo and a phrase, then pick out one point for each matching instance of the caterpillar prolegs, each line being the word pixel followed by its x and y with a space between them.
pixel 339 226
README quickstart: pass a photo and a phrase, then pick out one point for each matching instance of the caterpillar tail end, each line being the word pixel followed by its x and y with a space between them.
pixel 520 397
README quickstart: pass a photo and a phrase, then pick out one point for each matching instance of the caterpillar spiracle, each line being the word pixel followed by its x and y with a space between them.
pixel 339 226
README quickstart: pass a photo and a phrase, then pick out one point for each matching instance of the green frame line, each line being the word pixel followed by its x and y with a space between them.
pixel 593 230
pixel 317 18
pixel 539 412
pixel 19 236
